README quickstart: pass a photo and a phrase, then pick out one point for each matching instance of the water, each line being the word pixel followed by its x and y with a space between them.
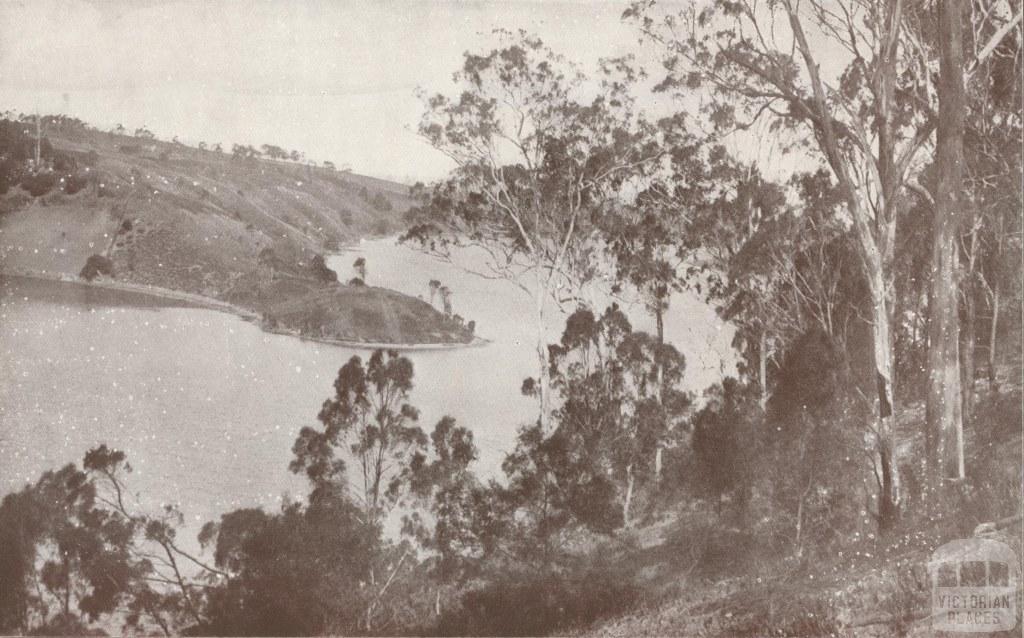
pixel 207 406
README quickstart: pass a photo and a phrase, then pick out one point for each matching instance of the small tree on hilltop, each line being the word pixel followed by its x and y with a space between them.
pixel 446 300
pixel 359 265
pixel 435 286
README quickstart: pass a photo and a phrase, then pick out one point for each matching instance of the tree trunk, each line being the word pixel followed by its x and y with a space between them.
pixel 762 356
pixel 993 382
pixel 885 446
pixel 967 349
pixel 544 382
pixel 628 500
pixel 659 317
pixel 944 409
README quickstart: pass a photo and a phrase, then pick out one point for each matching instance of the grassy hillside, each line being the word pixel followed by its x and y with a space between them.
pixel 182 218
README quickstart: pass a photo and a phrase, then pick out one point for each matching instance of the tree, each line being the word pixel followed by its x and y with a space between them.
pixel 454 497
pixel 302 571
pixel 274 152
pixel 992 170
pixel 535 165
pixel 868 122
pixel 359 265
pixel 321 270
pixel 446 300
pixel 434 287
pixel 620 403
pixel 944 413
pixel 370 419
pixel 722 434
pixel 72 553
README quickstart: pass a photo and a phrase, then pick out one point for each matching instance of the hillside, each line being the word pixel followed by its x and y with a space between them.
pixel 721 583
pixel 247 231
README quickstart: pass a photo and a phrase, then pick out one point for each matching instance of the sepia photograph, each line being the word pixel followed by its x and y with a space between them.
pixel 591 318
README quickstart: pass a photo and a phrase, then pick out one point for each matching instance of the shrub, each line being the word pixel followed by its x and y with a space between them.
pixel 96 265
pixel 74 183
pixel 356 281
pixel 538 604
pixel 63 162
pixel 39 184
pixel 322 272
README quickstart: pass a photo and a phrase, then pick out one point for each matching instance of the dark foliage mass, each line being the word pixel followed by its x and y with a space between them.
pixel 95 266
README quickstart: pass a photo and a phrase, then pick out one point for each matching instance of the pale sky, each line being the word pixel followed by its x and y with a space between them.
pixel 336 80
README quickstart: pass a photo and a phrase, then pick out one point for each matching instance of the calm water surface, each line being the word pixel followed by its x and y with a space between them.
pixel 207 406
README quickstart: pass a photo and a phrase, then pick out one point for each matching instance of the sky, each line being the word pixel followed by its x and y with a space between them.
pixel 336 80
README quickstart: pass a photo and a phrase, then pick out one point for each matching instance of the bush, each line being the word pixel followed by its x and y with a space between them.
pixel 356 281
pixel 39 184
pixel 96 265
pixel 63 162
pixel 539 604
pixel 74 183
pixel 322 272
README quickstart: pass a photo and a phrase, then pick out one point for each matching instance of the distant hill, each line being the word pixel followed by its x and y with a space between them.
pixel 238 229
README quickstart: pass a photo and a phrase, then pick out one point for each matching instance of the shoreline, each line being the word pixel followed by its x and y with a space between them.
pixel 209 303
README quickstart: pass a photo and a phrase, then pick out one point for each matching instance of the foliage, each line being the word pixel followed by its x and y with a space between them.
pixel 39 183
pixel 619 401
pixel 359 265
pixel 369 418
pixel 321 271
pixel 95 266
pixel 532 604
pixel 299 572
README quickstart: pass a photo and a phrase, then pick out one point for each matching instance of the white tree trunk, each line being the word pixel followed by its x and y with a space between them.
pixel 881 333
pixel 627 502
pixel 543 380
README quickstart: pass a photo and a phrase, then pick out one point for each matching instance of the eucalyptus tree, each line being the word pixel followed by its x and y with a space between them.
pixel 857 77
pixel 370 419
pixel 359 266
pixel 434 286
pixel 992 176
pixel 620 402
pixel 539 151
pixel 446 300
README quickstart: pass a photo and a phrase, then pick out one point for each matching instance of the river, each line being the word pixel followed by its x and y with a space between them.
pixel 207 406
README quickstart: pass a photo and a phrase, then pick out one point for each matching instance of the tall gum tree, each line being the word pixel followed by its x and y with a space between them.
pixel 539 152
pixel 856 75
pixel 944 413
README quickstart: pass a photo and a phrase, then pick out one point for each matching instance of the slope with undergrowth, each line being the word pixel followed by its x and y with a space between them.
pixel 701 574
pixel 236 229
